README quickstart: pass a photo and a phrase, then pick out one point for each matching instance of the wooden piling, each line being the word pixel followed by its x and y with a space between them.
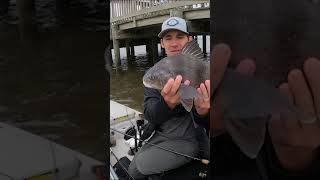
pixel 132 51
pixel 148 49
pixel 154 49
pixel 116 45
pixel 128 49
pixel 204 45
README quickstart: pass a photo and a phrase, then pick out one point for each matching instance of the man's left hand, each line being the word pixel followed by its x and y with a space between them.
pixel 202 102
pixel 296 141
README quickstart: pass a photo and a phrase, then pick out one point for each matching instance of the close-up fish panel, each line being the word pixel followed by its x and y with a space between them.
pixel 265 103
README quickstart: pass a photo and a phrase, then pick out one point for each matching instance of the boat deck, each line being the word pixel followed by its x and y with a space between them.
pixel 121 119
pixel 28 155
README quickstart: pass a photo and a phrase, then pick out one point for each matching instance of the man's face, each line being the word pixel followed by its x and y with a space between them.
pixel 173 41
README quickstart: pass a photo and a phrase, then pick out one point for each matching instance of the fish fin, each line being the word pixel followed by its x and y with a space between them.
pixel 248 134
pixel 187 92
pixel 187 104
pixel 261 99
pixel 192 49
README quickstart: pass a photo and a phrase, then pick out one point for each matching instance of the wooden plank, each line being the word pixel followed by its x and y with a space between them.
pixel 197 14
pixel 118 8
pixel 130 7
pixel 111 9
pixel 136 36
pixel 121 7
pixel 144 22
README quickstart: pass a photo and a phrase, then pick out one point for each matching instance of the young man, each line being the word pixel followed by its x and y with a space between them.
pixel 175 128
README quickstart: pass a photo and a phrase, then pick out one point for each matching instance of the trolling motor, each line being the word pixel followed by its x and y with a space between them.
pixel 133 132
pixel 144 131
pixel 141 127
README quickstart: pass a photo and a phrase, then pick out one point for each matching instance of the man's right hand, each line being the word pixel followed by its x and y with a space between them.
pixel 170 89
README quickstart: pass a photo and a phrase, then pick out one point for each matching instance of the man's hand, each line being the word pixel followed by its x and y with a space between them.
pixel 202 102
pixel 170 89
pixel 294 140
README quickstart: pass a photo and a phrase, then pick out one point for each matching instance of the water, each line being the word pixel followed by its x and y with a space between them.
pixel 126 80
pixel 52 83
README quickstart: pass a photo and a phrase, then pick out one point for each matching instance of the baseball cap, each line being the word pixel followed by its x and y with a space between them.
pixel 173 23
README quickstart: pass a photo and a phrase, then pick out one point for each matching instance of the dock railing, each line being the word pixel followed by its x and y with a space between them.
pixel 129 10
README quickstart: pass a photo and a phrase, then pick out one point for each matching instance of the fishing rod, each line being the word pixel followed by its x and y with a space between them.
pixel 204 161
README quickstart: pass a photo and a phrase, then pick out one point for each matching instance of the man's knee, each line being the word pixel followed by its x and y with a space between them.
pixel 134 171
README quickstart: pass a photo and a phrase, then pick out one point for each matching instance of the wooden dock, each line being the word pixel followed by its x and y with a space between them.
pixel 138 22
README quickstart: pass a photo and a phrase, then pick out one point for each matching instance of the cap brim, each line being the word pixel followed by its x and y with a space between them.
pixel 162 33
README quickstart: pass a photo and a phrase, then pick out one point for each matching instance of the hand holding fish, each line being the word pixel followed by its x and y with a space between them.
pixel 192 68
pixel 202 102
pixel 170 89
pixel 295 139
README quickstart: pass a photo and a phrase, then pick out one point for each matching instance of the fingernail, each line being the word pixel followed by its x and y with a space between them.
pixel 222 48
pixel 294 74
pixel 311 63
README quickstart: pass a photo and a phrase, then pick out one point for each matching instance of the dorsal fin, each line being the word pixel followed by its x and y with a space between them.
pixel 192 49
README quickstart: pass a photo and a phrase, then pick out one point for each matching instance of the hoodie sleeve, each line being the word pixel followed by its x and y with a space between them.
pixel 203 121
pixel 156 110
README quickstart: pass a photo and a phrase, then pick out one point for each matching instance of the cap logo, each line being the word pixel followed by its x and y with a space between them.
pixel 172 22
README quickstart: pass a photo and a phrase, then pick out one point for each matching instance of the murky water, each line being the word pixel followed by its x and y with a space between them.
pixel 126 81
pixel 53 79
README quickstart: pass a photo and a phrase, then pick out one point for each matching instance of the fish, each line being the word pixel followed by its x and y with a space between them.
pixel 189 63
pixel 248 104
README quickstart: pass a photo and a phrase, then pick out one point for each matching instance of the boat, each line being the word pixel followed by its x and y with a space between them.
pixel 126 125
pixel 27 156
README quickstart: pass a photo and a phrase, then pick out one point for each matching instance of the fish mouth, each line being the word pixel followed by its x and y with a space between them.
pixel 147 85
pixel 151 85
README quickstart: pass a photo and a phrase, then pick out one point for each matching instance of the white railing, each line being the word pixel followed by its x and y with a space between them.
pixel 126 9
